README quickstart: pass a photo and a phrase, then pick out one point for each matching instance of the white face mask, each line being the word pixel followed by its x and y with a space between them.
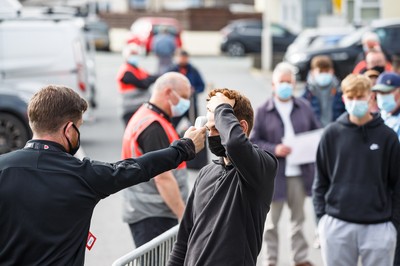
pixel 180 108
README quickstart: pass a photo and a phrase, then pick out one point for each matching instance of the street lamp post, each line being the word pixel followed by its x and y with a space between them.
pixel 266 48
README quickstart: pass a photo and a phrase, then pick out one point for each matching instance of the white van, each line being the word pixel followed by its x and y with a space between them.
pixel 47 51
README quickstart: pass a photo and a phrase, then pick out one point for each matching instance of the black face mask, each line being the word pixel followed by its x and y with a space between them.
pixel 380 69
pixel 73 150
pixel 215 146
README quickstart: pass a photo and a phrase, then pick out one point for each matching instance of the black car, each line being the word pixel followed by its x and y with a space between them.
pixel 345 54
pixel 243 36
pixel 14 126
pixel 317 38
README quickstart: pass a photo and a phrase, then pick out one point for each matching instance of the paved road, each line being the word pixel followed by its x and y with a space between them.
pixel 101 140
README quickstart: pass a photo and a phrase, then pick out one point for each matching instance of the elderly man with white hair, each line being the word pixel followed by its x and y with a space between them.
pixel 279 117
pixel 370 41
pixel 371 44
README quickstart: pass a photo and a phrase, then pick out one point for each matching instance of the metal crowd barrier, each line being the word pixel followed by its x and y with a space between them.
pixel 154 253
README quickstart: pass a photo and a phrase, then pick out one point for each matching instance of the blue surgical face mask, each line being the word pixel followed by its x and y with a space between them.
pixel 284 90
pixel 133 60
pixel 180 108
pixel 386 102
pixel 323 79
pixel 358 108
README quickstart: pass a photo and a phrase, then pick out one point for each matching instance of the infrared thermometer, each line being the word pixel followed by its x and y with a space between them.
pixel 200 122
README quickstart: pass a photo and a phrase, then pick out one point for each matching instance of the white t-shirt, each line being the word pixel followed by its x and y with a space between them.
pixel 284 110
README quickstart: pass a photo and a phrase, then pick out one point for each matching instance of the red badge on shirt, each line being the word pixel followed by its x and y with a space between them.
pixel 90 241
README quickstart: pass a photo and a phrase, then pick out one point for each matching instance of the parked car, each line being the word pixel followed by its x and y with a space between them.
pixel 243 36
pixel 144 29
pixel 57 52
pixel 318 38
pixel 346 52
pixel 14 126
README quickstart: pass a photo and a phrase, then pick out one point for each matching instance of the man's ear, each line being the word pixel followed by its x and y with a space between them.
pixel 168 91
pixel 244 125
pixel 68 129
pixel 168 94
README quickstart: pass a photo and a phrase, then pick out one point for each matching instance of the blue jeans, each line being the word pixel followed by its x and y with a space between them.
pixel 149 228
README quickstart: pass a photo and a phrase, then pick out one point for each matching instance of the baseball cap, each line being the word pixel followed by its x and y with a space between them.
pixel 387 81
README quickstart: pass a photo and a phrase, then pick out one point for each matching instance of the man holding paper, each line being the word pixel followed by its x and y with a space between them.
pixel 284 116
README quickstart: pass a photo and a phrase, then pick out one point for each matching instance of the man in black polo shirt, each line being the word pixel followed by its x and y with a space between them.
pixel 47 196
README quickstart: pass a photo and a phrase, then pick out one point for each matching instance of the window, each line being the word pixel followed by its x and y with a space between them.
pixel 252 29
pixel 138 4
pixel 277 31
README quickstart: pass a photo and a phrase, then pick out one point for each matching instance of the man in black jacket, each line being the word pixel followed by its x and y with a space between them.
pixel 184 67
pixel 224 218
pixel 356 192
pixel 47 196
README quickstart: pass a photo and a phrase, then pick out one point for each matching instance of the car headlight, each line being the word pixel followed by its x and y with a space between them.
pixel 298 58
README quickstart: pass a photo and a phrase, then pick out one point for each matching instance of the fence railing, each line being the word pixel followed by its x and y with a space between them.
pixel 154 253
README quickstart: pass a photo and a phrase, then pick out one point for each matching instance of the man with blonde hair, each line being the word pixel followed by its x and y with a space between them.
pixel 356 192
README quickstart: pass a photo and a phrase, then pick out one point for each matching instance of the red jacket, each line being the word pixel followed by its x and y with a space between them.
pixel 363 65
pixel 137 72
pixel 137 124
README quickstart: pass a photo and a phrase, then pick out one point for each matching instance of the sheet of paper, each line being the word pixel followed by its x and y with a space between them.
pixel 304 147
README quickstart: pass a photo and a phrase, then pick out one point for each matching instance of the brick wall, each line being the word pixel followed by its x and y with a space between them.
pixel 194 19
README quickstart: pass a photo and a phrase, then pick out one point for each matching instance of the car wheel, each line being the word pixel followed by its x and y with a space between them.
pixel 13 133
pixel 235 49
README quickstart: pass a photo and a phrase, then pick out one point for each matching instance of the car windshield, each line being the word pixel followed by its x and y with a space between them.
pixel 304 39
pixel 352 38
pixel 326 41
pixel 171 29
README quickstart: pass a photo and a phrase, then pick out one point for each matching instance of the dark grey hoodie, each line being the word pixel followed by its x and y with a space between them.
pixel 358 172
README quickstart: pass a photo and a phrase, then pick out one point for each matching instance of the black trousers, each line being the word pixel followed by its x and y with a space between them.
pixel 149 228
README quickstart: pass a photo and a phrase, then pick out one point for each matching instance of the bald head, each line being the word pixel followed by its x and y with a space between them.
pixel 168 88
pixel 172 80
